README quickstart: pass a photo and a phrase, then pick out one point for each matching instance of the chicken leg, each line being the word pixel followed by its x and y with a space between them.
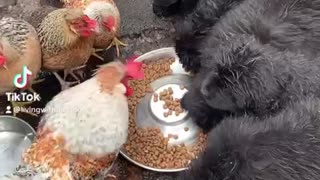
pixel 115 42
pixel 64 84
pixel 71 72
pixel 18 107
pixel 111 176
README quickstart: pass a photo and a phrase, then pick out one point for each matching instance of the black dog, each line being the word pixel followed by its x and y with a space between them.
pixel 165 8
pixel 285 24
pixel 283 147
pixel 242 75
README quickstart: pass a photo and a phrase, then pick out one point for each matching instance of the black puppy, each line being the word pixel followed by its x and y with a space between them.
pixel 283 147
pixel 242 75
pixel 285 24
pixel 204 15
pixel 165 8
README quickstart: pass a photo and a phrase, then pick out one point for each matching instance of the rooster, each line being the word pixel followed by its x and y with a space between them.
pixel 106 13
pixel 66 37
pixel 19 47
pixel 84 137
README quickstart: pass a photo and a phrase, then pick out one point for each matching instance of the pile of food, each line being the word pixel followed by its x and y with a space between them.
pixel 148 145
pixel 170 104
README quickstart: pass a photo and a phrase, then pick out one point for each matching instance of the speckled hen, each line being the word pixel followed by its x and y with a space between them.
pixel 66 37
pixel 19 46
pixel 80 135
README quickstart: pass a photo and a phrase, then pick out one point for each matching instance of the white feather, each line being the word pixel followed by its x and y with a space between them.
pixel 92 121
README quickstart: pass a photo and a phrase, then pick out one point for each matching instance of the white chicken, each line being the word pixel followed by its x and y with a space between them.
pixel 81 134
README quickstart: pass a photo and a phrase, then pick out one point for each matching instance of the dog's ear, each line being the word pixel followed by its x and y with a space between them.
pixel 209 84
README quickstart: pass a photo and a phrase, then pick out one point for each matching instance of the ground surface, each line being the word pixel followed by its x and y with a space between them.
pixel 143 32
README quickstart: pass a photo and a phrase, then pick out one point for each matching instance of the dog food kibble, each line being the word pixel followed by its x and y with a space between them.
pixel 147 145
pixel 186 129
pixel 182 87
pixel 170 103
pixel 175 137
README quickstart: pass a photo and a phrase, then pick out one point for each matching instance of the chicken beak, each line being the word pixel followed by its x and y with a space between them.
pixel 97 30
pixel 113 29
pixel 5 67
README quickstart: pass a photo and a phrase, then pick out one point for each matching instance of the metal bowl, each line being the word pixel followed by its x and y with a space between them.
pixel 15 137
pixel 150 114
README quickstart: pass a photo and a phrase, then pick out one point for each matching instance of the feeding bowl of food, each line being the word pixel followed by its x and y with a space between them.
pixel 162 137
pixel 15 137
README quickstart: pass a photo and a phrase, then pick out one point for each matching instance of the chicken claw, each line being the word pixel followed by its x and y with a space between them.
pixel 64 84
pixel 96 55
pixel 70 71
pixel 38 81
pixel 111 176
pixel 116 42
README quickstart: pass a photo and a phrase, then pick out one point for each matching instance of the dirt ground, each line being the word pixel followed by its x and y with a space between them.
pixel 141 30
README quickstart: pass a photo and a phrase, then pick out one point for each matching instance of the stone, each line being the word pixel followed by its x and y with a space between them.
pixel 5 3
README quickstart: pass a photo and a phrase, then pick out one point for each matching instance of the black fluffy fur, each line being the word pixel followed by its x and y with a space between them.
pixel 166 8
pixel 244 76
pixel 285 24
pixel 283 147
pixel 204 116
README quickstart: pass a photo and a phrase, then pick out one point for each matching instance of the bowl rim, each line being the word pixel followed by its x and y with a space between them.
pixel 122 152
pixel 20 120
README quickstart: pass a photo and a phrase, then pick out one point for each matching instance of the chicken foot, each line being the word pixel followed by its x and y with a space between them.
pixel 71 72
pixel 64 84
pixel 17 108
pixel 111 176
pixel 115 42
pixel 96 55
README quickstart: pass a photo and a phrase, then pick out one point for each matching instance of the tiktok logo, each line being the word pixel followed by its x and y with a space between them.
pixel 21 80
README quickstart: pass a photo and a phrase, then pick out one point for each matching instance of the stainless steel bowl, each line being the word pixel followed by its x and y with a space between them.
pixel 15 137
pixel 150 114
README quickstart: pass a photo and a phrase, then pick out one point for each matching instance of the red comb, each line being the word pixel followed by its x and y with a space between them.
pixel 134 69
pixel 111 22
pixel 91 22
pixel 129 90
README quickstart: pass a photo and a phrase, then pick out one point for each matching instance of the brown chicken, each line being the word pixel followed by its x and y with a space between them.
pixel 66 37
pixel 106 13
pixel 19 47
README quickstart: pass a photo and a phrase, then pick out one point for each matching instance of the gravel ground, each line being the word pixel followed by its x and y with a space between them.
pixel 141 30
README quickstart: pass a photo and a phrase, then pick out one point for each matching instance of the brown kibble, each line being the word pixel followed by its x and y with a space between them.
pixel 149 90
pixel 177 113
pixel 165 106
pixel 186 129
pixel 155 99
pixel 182 87
pixel 157 153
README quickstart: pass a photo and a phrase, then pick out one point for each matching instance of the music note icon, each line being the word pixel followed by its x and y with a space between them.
pixel 21 80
